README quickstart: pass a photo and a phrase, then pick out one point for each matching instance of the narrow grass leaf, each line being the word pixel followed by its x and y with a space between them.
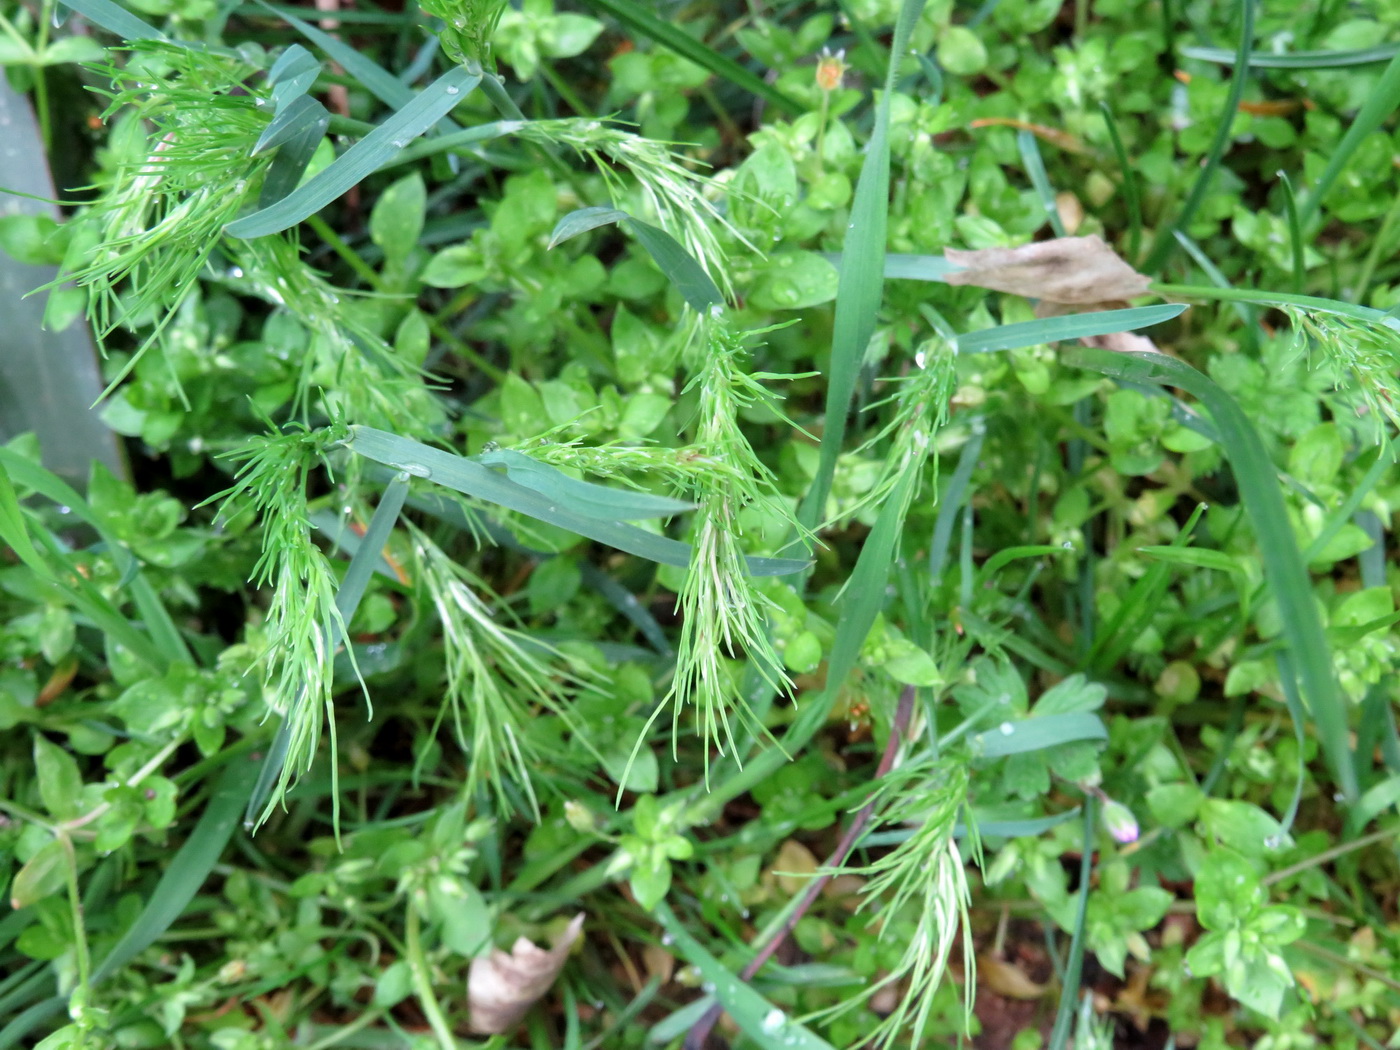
pixel 361 159
pixel 1284 567
pixel 292 75
pixel 1069 326
pixel 1380 103
pixel 1318 304
pixel 625 602
pixel 861 282
pixel 1196 557
pixel 1248 318
pixel 1364 56
pixel 1139 605
pixel 1074 964
pixel 1295 232
pixel 187 870
pixel 118 20
pixel 293 120
pixel 679 266
pixel 641 20
pixel 596 501
pixel 952 498
pixel 1164 243
pixel 373 77
pixel 581 221
pixel 1006 556
pixel 285 172
pixel 155 616
pixel 1036 734
pixel 912 267
pixel 480 482
pixel 762 1022
pixel 1131 196
pixel 1034 164
pixel 77 589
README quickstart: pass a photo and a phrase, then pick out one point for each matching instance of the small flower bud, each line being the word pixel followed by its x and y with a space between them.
pixel 579 816
pixel 1118 821
pixel 830 69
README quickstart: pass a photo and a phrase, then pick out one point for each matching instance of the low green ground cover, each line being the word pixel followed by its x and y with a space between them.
pixel 615 475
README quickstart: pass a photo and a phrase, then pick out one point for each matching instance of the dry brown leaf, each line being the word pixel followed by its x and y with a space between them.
pixel 1005 979
pixel 502 986
pixel 1072 270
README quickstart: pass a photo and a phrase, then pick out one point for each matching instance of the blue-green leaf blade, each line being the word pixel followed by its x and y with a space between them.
pixel 363 158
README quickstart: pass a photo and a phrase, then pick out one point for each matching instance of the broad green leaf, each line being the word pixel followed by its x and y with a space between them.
pixel 41 876
pixel 60 783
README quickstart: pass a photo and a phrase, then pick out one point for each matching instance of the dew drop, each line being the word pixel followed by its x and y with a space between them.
pixel 773 1021
pixel 1007 729
pixel 453 90
pixel 1273 842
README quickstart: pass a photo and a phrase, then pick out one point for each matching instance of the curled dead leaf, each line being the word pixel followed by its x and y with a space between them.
pixel 1005 979
pixel 502 986
pixel 1071 270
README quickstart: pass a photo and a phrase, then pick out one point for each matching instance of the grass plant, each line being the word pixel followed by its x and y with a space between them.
pixel 501 378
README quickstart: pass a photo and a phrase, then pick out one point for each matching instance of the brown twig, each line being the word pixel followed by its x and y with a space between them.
pixel 903 713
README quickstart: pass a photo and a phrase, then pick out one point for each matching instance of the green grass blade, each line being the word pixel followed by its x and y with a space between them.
pixel 596 501
pixel 188 868
pixel 77 589
pixel 373 77
pixel 1284 567
pixel 292 75
pixel 371 551
pixel 861 283
pixel 1131 197
pixel 951 500
pixel 156 617
pixel 912 267
pixel 679 266
pixel 639 19
pixel 1074 965
pixel 118 20
pixel 1070 326
pixel 763 1023
pixel 1139 605
pixel 1164 243
pixel 1364 314
pixel 480 482
pixel 1379 105
pixel 1365 56
pixel 363 158
pixel 299 114
pixel 296 141
pixel 1250 332
pixel 1036 734
pixel 1034 164
pixel 580 221
pixel 1295 232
